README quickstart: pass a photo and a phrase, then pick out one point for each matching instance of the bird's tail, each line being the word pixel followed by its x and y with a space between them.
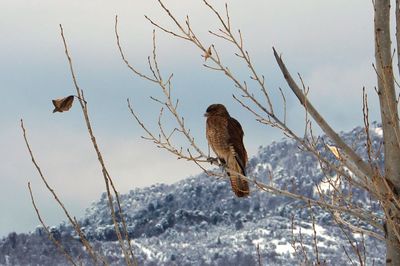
pixel 239 185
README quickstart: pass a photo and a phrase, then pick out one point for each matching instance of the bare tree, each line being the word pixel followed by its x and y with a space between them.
pixel 382 184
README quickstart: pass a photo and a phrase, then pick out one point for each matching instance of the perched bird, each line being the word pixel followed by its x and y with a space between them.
pixel 225 136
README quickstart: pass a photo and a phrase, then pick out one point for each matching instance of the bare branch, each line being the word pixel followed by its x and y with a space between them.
pixel 49 234
pixel 106 176
pixel 284 106
pixel 356 229
pixel 76 226
pixel 165 144
pixel 259 255
pixel 164 29
pixel 314 235
pixel 123 55
pixel 359 163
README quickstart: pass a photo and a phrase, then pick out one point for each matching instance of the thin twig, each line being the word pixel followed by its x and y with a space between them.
pixel 49 234
pixel 259 255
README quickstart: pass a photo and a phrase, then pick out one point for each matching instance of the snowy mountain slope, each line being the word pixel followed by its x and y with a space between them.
pixel 199 221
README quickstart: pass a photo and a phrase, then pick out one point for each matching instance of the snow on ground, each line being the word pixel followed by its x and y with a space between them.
pixel 320 231
pixel 150 254
pixel 259 242
pixel 283 246
pixel 378 131
pixel 262 167
pixel 326 185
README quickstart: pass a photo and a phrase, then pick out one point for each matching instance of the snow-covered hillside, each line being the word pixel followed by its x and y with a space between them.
pixel 199 221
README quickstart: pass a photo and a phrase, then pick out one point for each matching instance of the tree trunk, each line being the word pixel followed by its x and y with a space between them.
pixel 390 122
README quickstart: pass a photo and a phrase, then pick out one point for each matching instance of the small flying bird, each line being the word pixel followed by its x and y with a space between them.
pixel 225 136
pixel 63 104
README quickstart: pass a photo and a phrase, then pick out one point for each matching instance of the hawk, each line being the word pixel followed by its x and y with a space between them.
pixel 225 136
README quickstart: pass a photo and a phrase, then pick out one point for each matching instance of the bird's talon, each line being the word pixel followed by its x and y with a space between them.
pixel 212 160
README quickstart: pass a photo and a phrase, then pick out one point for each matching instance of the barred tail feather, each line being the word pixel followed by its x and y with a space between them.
pixel 239 185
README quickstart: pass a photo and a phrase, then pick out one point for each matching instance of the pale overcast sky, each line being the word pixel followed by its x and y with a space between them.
pixel 329 42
